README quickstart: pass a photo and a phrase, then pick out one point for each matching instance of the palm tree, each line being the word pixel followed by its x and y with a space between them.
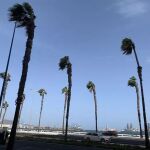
pixel 65 92
pixel 24 16
pixel 91 87
pixel 64 63
pixel 2 75
pixel 5 106
pixel 7 66
pixel 127 47
pixel 132 82
pixel 23 98
pixel 42 93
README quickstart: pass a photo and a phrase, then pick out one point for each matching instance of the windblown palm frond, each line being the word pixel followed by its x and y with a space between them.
pixel 127 46
pixel 42 92
pixel 23 15
pixel 65 90
pixel 63 62
pixel 90 86
pixel 17 13
pixel 132 81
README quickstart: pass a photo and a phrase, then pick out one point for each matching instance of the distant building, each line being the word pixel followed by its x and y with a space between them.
pixel 131 127
pixel 127 126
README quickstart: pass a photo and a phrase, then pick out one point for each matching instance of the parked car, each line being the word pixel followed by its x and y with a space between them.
pixel 91 137
pixel 4 135
pixel 104 137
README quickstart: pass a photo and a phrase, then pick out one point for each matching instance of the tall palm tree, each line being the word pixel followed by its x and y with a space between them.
pixel 7 66
pixel 23 98
pixel 65 92
pixel 42 93
pixel 64 63
pixel 91 87
pixel 2 75
pixel 132 82
pixel 24 16
pixel 5 106
pixel 127 47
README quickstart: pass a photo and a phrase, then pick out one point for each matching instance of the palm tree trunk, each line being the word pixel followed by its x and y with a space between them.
pixel 40 113
pixel 69 72
pixel 26 60
pixel 3 116
pixel 1 111
pixel 6 70
pixel 64 112
pixel 94 93
pixel 138 110
pixel 139 69
pixel 20 113
pixel 3 99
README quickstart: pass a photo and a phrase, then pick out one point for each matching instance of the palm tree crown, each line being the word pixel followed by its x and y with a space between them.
pixel 132 82
pixel 65 90
pixel 63 62
pixel 90 86
pixel 23 15
pixel 127 46
pixel 42 92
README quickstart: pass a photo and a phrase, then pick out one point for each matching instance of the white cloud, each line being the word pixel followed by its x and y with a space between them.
pixel 131 8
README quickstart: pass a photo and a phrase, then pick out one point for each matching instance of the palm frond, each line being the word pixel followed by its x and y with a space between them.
pixel 63 62
pixel 90 86
pixel 16 12
pixel 65 90
pixel 29 10
pixel 127 46
pixel 23 15
pixel 132 82
pixel 42 92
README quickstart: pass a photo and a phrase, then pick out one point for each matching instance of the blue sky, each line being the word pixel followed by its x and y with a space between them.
pixel 90 33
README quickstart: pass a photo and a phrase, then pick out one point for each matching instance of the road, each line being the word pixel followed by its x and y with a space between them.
pixel 129 141
pixel 36 145
pixel 115 140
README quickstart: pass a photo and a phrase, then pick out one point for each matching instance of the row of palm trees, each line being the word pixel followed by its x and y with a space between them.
pixel 133 83
pixel 5 104
pixel 91 88
pixel 23 16
pixel 128 47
